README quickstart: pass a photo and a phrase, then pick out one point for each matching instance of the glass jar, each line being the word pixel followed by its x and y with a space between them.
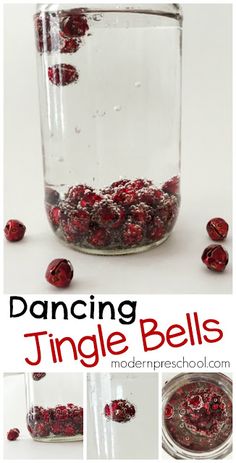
pixel 197 416
pixel 110 103
pixel 122 419
pixel 54 406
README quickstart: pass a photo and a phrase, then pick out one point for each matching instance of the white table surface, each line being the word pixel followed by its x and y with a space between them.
pixel 175 266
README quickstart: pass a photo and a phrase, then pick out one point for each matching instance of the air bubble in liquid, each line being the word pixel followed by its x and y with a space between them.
pixel 97 17
pixel 99 113
pixel 60 159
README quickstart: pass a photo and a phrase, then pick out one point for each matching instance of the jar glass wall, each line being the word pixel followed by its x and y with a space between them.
pixel 197 416
pixel 110 102
pixel 54 406
pixel 122 416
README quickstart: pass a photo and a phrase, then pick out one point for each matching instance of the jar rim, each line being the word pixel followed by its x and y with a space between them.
pixel 169 10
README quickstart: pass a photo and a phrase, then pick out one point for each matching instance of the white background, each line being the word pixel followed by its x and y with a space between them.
pixel 174 267
pixel 167 310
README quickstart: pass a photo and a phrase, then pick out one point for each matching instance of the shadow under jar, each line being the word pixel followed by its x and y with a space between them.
pixel 54 406
pixel 197 416
pixel 110 102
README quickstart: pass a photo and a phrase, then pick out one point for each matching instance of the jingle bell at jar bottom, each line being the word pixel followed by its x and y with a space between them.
pixel 54 406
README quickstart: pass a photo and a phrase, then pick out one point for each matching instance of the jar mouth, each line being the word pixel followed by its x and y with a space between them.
pixel 171 10
pixel 173 447
pixel 159 10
